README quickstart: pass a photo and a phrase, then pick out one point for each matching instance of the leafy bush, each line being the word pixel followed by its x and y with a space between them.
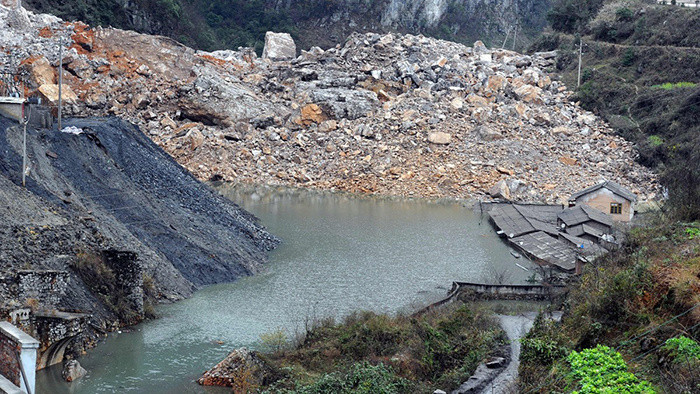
pixel 442 346
pixel 361 378
pixel 602 370
pixel 655 141
pixel 682 348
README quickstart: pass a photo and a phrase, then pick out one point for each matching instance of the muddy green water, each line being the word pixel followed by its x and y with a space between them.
pixel 340 253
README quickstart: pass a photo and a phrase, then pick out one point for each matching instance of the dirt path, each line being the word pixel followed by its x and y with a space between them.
pixel 515 326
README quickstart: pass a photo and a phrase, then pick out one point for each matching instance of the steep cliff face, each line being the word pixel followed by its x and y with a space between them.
pixel 457 20
pixel 229 24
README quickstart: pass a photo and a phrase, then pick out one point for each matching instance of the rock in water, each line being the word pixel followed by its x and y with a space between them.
pixel 279 47
pixel 241 368
pixel 72 370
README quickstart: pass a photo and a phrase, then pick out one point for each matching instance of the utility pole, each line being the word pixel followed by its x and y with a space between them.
pixel 24 149
pixel 60 78
pixel 515 36
pixel 580 51
pixel 507 34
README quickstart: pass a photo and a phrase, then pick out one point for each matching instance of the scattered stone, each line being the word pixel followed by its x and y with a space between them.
pixel 350 118
pixel 496 362
pixel 500 190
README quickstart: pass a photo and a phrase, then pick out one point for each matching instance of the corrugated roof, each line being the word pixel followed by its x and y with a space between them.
pixel 548 249
pixel 612 186
pixel 510 221
pixel 590 248
pixel 583 213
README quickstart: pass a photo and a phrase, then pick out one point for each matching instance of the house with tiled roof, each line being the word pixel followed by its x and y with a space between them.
pixel 609 198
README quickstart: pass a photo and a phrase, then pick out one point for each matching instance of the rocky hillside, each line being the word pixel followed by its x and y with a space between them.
pixel 641 73
pixel 388 114
pixel 106 186
pixel 229 24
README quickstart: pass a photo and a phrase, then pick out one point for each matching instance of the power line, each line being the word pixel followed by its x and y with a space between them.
pixel 624 343
pixel 541 386
pixel 659 346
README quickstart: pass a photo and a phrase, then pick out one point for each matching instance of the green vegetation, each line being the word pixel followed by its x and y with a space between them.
pixel 361 378
pixel 571 16
pixel 602 370
pixel 682 349
pixel 639 74
pixel 670 85
pixel 371 353
pixel 641 300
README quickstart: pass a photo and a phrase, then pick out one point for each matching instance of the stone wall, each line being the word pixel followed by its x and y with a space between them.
pixel 129 276
pixel 46 287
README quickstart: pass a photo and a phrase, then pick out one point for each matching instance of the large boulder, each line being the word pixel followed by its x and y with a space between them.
pixel 242 368
pixel 50 94
pixel 500 190
pixel 279 47
pixel 73 371
pixel 40 71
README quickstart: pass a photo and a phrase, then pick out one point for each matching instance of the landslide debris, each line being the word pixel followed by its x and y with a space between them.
pixel 107 186
pixel 387 114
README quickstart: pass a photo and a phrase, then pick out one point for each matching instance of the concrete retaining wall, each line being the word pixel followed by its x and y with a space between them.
pixel 13 341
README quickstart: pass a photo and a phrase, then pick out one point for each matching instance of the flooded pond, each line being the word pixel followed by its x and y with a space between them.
pixel 339 253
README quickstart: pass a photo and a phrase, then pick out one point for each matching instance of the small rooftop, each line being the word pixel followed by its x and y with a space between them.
pixel 612 186
pixel 547 248
pixel 583 213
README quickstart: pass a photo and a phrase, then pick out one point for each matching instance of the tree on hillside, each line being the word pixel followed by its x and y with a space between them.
pixel 571 16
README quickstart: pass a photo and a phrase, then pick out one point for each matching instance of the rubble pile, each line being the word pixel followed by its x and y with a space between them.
pixel 386 114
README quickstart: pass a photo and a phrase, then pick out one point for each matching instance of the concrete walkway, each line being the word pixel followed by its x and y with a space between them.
pixel 515 326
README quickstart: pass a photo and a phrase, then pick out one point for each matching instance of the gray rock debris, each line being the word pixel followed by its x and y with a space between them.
pixel 279 47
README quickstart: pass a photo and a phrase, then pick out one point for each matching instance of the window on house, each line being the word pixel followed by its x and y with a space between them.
pixel 615 208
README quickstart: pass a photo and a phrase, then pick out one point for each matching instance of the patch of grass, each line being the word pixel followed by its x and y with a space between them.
pixel 676 85
pixel 440 348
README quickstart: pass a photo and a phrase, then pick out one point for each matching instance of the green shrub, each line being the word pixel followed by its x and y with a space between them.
pixel 655 141
pixel 602 370
pixel 541 351
pixel 361 378
pixel 682 349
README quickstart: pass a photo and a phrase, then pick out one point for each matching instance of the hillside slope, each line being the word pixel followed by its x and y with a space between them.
pixel 386 114
pixel 641 72
pixel 111 188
